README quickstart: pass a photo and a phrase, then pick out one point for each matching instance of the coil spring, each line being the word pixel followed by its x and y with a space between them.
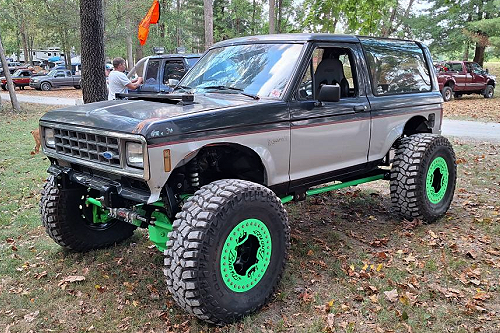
pixel 193 174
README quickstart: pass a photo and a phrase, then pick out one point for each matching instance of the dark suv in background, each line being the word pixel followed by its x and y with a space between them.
pixel 157 70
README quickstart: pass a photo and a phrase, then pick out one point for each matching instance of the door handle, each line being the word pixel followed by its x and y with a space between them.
pixel 359 108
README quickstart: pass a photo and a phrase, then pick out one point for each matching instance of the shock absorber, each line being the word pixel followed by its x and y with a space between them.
pixel 194 174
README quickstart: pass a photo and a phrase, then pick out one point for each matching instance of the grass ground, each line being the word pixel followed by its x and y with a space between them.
pixel 353 267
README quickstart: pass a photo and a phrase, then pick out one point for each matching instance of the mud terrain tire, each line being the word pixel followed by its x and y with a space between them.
pixel 196 264
pixel 423 177
pixel 63 218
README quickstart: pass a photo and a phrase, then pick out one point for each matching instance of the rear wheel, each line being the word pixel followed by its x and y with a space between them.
pixel 227 250
pixel 423 177
pixel 447 93
pixel 489 91
pixel 73 225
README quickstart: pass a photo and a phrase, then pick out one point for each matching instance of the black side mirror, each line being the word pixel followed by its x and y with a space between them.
pixel 487 71
pixel 329 93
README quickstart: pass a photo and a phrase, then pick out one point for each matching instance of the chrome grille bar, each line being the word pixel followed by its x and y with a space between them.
pixel 88 146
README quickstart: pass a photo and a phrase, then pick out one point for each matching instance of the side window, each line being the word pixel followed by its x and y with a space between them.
pixel 68 73
pixel 60 74
pixel 152 72
pixel 329 65
pixel 174 69
pixel 476 68
pixel 396 67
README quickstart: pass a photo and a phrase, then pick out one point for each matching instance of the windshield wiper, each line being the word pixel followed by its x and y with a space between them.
pixel 232 88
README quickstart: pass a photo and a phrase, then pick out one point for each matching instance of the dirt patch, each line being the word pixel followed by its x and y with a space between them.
pixel 64 92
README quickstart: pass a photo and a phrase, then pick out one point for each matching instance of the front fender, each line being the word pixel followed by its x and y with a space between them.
pixel 272 147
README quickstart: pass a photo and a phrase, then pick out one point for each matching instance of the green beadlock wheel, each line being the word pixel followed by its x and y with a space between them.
pixel 423 177
pixel 227 250
pixel 437 180
pixel 246 255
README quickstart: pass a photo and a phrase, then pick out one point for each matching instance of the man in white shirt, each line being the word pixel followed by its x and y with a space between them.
pixel 118 81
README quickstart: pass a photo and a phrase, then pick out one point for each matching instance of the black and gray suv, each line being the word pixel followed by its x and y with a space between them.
pixel 257 122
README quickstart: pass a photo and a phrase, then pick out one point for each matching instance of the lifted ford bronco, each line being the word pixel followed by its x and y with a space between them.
pixel 257 122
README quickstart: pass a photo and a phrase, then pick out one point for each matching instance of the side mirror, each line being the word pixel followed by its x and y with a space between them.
pixel 329 93
pixel 173 82
pixel 487 71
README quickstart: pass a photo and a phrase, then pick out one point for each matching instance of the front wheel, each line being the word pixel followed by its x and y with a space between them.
pixel 489 91
pixel 227 250
pixel 423 177
pixel 74 225
pixel 447 93
pixel 45 86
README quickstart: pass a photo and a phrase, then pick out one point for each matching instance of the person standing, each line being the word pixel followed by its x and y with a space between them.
pixel 118 81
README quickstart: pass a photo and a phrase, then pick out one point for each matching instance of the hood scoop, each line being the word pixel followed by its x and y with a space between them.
pixel 184 99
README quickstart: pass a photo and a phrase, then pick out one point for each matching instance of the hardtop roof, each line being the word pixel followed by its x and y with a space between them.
pixel 299 38
pixel 175 55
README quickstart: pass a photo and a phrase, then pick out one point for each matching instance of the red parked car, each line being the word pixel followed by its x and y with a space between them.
pixel 457 78
pixel 20 78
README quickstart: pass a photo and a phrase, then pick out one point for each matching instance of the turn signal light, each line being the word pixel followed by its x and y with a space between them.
pixel 167 164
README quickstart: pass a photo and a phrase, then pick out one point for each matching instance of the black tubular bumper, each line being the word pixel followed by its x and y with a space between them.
pixel 111 191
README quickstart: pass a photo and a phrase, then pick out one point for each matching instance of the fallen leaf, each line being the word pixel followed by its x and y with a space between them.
pixel 71 279
pixel 391 295
pixel 31 316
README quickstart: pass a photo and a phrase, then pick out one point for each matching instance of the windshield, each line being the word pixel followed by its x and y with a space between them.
pixel 17 73
pixel 52 73
pixel 258 69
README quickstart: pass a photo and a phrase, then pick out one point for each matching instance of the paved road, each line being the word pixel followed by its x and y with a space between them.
pixel 43 100
pixel 471 129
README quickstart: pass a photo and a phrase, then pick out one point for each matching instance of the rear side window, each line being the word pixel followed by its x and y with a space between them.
pixel 174 69
pixel 396 67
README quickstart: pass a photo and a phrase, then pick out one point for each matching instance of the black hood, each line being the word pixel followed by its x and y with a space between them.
pixel 145 117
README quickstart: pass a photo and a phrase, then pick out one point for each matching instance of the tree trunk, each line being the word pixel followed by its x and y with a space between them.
pixel 272 16
pixel 12 93
pixel 479 54
pixel 161 25
pixel 209 23
pixel 278 26
pixel 466 51
pixel 139 51
pixel 93 61
pixel 254 9
pixel 178 27
pixel 130 56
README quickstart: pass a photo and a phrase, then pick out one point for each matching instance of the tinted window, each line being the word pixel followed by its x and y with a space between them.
pixel 174 69
pixel 454 66
pixel 396 67
pixel 152 71
pixel 191 61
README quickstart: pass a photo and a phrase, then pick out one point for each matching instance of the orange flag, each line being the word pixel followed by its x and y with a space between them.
pixel 151 17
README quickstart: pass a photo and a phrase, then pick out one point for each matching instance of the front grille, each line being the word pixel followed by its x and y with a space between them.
pixel 88 146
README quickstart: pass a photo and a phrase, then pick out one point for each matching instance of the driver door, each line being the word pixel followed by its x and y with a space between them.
pixel 329 139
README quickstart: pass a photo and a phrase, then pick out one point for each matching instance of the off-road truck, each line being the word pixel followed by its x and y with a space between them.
pixel 257 122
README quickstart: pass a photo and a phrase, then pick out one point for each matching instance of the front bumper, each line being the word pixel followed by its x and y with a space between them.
pixel 112 192
pixel 35 85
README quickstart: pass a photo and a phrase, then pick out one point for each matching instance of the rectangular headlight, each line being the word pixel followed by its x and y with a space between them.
pixel 50 140
pixel 134 155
